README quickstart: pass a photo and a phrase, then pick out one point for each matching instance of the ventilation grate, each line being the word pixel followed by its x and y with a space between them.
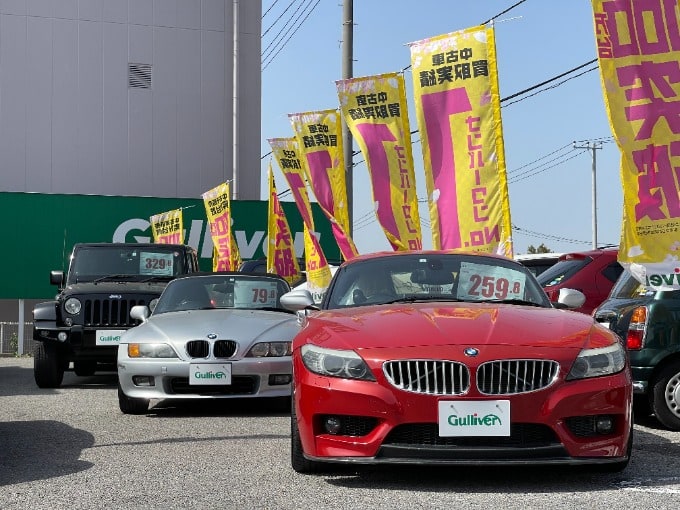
pixel 139 76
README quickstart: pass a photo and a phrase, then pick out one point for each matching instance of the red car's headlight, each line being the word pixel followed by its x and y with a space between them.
pixel 597 362
pixel 335 363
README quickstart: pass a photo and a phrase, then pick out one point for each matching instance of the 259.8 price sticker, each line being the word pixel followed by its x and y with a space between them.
pixel 480 281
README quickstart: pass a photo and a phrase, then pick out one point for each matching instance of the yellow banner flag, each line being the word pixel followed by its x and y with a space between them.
pixel 455 84
pixel 638 46
pixel 167 227
pixel 218 209
pixel 375 110
pixel 319 137
pixel 286 153
pixel 281 257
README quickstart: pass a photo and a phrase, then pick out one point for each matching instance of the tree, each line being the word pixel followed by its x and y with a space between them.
pixel 541 249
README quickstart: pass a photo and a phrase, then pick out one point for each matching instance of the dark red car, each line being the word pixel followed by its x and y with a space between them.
pixel 592 272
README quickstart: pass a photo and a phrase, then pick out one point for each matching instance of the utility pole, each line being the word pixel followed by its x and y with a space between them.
pixel 593 147
pixel 347 72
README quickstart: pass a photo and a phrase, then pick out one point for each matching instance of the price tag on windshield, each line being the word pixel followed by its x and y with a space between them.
pixel 481 282
pixel 155 264
pixel 254 293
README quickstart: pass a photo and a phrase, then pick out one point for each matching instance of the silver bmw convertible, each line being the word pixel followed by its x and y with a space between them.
pixel 210 335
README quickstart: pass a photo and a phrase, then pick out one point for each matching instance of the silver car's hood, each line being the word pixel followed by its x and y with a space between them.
pixel 244 326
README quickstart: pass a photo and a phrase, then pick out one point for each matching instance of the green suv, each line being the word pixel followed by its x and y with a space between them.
pixel 648 321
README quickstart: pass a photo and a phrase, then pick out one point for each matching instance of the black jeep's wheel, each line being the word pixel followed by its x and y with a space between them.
pixel 297 458
pixel 666 396
pixel 84 368
pixel 130 405
pixel 48 366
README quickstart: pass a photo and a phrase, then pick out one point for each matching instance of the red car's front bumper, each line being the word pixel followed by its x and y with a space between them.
pixel 383 424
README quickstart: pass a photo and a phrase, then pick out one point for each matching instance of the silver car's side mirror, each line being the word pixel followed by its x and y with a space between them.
pixel 571 298
pixel 297 300
pixel 140 312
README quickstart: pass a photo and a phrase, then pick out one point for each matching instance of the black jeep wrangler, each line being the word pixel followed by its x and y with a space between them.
pixel 84 323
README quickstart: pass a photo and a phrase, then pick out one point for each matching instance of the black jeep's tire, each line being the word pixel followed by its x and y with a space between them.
pixel 297 458
pixel 666 396
pixel 48 366
pixel 130 405
pixel 84 368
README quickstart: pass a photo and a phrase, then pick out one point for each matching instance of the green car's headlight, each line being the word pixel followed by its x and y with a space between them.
pixel 335 363
pixel 597 362
pixel 151 351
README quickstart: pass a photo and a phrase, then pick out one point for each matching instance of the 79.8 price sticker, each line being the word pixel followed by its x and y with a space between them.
pixel 481 282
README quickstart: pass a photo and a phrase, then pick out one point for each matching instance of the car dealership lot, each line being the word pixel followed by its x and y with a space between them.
pixel 72 447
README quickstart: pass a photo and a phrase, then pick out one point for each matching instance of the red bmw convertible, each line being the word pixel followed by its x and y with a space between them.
pixel 443 357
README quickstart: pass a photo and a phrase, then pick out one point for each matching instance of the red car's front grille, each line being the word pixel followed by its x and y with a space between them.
pixel 442 377
pixel 433 377
pixel 522 435
pixel 510 377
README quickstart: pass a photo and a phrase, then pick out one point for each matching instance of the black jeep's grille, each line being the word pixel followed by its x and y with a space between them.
pixel 110 312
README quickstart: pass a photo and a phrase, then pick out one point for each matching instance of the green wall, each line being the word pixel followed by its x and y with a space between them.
pixel 41 230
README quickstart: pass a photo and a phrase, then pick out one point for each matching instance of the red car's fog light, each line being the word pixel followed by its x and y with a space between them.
pixel 604 425
pixel 332 424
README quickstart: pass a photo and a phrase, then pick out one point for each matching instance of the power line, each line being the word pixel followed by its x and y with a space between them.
pixel 270 8
pixel 538 170
pixel 504 12
pixel 277 19
pixel 521 92
pixel 291 34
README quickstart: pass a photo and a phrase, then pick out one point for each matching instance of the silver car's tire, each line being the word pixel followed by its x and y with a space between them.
pixel 130 405
pixel 666 396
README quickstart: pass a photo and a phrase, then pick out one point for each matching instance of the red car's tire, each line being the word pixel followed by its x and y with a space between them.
pixel 297 459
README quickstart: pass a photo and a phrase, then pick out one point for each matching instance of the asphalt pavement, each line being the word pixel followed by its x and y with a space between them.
pixel 72 448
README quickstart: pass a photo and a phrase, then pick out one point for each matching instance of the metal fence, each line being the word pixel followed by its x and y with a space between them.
pixel 9 338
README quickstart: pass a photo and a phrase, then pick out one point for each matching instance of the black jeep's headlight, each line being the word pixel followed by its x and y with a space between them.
pixel 72 305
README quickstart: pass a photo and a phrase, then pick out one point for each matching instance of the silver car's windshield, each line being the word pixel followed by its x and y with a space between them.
pixel 219 291
pixel 434 277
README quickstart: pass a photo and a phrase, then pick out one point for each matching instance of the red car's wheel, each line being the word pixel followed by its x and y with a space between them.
pixel 297 458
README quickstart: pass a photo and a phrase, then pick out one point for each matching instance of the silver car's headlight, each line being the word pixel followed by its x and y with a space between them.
pixel 597 362
pixel 151 351
pixel 72 306
pixel 335 363
pixel 269 350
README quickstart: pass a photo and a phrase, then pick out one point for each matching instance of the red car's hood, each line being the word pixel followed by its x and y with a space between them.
pixel 394 326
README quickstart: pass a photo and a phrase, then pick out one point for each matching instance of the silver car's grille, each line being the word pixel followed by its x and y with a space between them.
pixel 221 348
pixel 509 377
pixel 224 348
pixel 198 348
pixel 432 377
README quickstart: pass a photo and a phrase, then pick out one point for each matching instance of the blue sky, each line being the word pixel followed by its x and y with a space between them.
pixel 550 182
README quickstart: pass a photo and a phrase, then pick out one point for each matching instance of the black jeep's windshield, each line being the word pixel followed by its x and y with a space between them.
pixel 125 263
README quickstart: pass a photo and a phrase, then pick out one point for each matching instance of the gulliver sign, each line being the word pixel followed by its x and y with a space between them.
pixel 42 229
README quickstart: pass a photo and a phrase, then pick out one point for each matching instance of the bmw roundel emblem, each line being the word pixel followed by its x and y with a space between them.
pixel 470 351
pixel 212 336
